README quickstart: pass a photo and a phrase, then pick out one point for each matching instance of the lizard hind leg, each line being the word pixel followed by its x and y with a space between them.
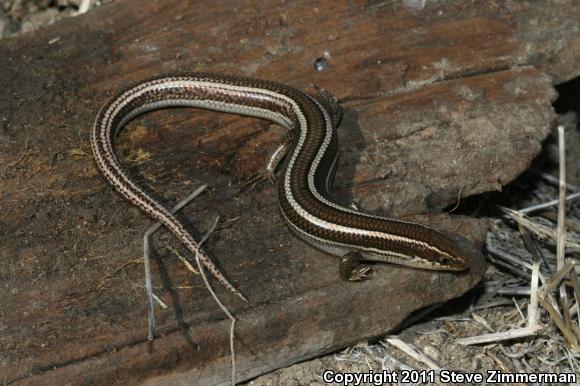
pixel 278 154
pixel 347 267
pixel 276 157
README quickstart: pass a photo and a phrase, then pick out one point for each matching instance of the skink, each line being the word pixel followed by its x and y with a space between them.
pixel 310 151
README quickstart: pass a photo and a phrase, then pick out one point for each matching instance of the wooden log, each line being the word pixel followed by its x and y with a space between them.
pixel 440 103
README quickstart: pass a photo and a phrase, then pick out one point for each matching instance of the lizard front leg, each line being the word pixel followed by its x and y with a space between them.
pixel 347 267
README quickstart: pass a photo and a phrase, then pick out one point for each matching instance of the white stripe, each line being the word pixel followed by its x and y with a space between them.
pixel 251 111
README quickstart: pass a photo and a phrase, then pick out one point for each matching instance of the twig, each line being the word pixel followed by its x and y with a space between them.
pixel 561 231
pixel 161 303
pixel 500 336
pixel 556 278
pixel 217 300
pixel 496 303
pixel 481 321
pixel 550 305
pixel 533 307
pixel 554 180
pixel 513 291
pixel 555 316
pixel 147 260
pixel 519 310
pixel 510 258
pixel 185 262
pixel 458 200
pixel 495 252
pixel 412 352
pixel 84 7
pixel 541 230
pixel 548 204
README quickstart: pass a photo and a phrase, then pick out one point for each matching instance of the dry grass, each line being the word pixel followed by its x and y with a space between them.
pixel 527 318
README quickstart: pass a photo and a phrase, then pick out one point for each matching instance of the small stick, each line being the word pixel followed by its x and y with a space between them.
pixel 147 260
pixel 554 180
pixel 561 231
pixel 548 204
pixel 217 300
pixel 161 303
pixel 500 336
pixel 83 7
pixel 496 253
pixel 187 264
pixel 542 231
pixel 496 303
pixel 557 278
pixel 555 316
pixel 513 291
pixel 482 322
pixel 507 257
pixel 519 310
pixel 412 352
pixel 533 307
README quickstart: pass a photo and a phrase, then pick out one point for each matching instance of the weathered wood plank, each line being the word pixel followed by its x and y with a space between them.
pixel 440 102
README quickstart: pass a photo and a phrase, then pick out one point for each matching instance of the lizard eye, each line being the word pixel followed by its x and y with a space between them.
pixel 445 261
